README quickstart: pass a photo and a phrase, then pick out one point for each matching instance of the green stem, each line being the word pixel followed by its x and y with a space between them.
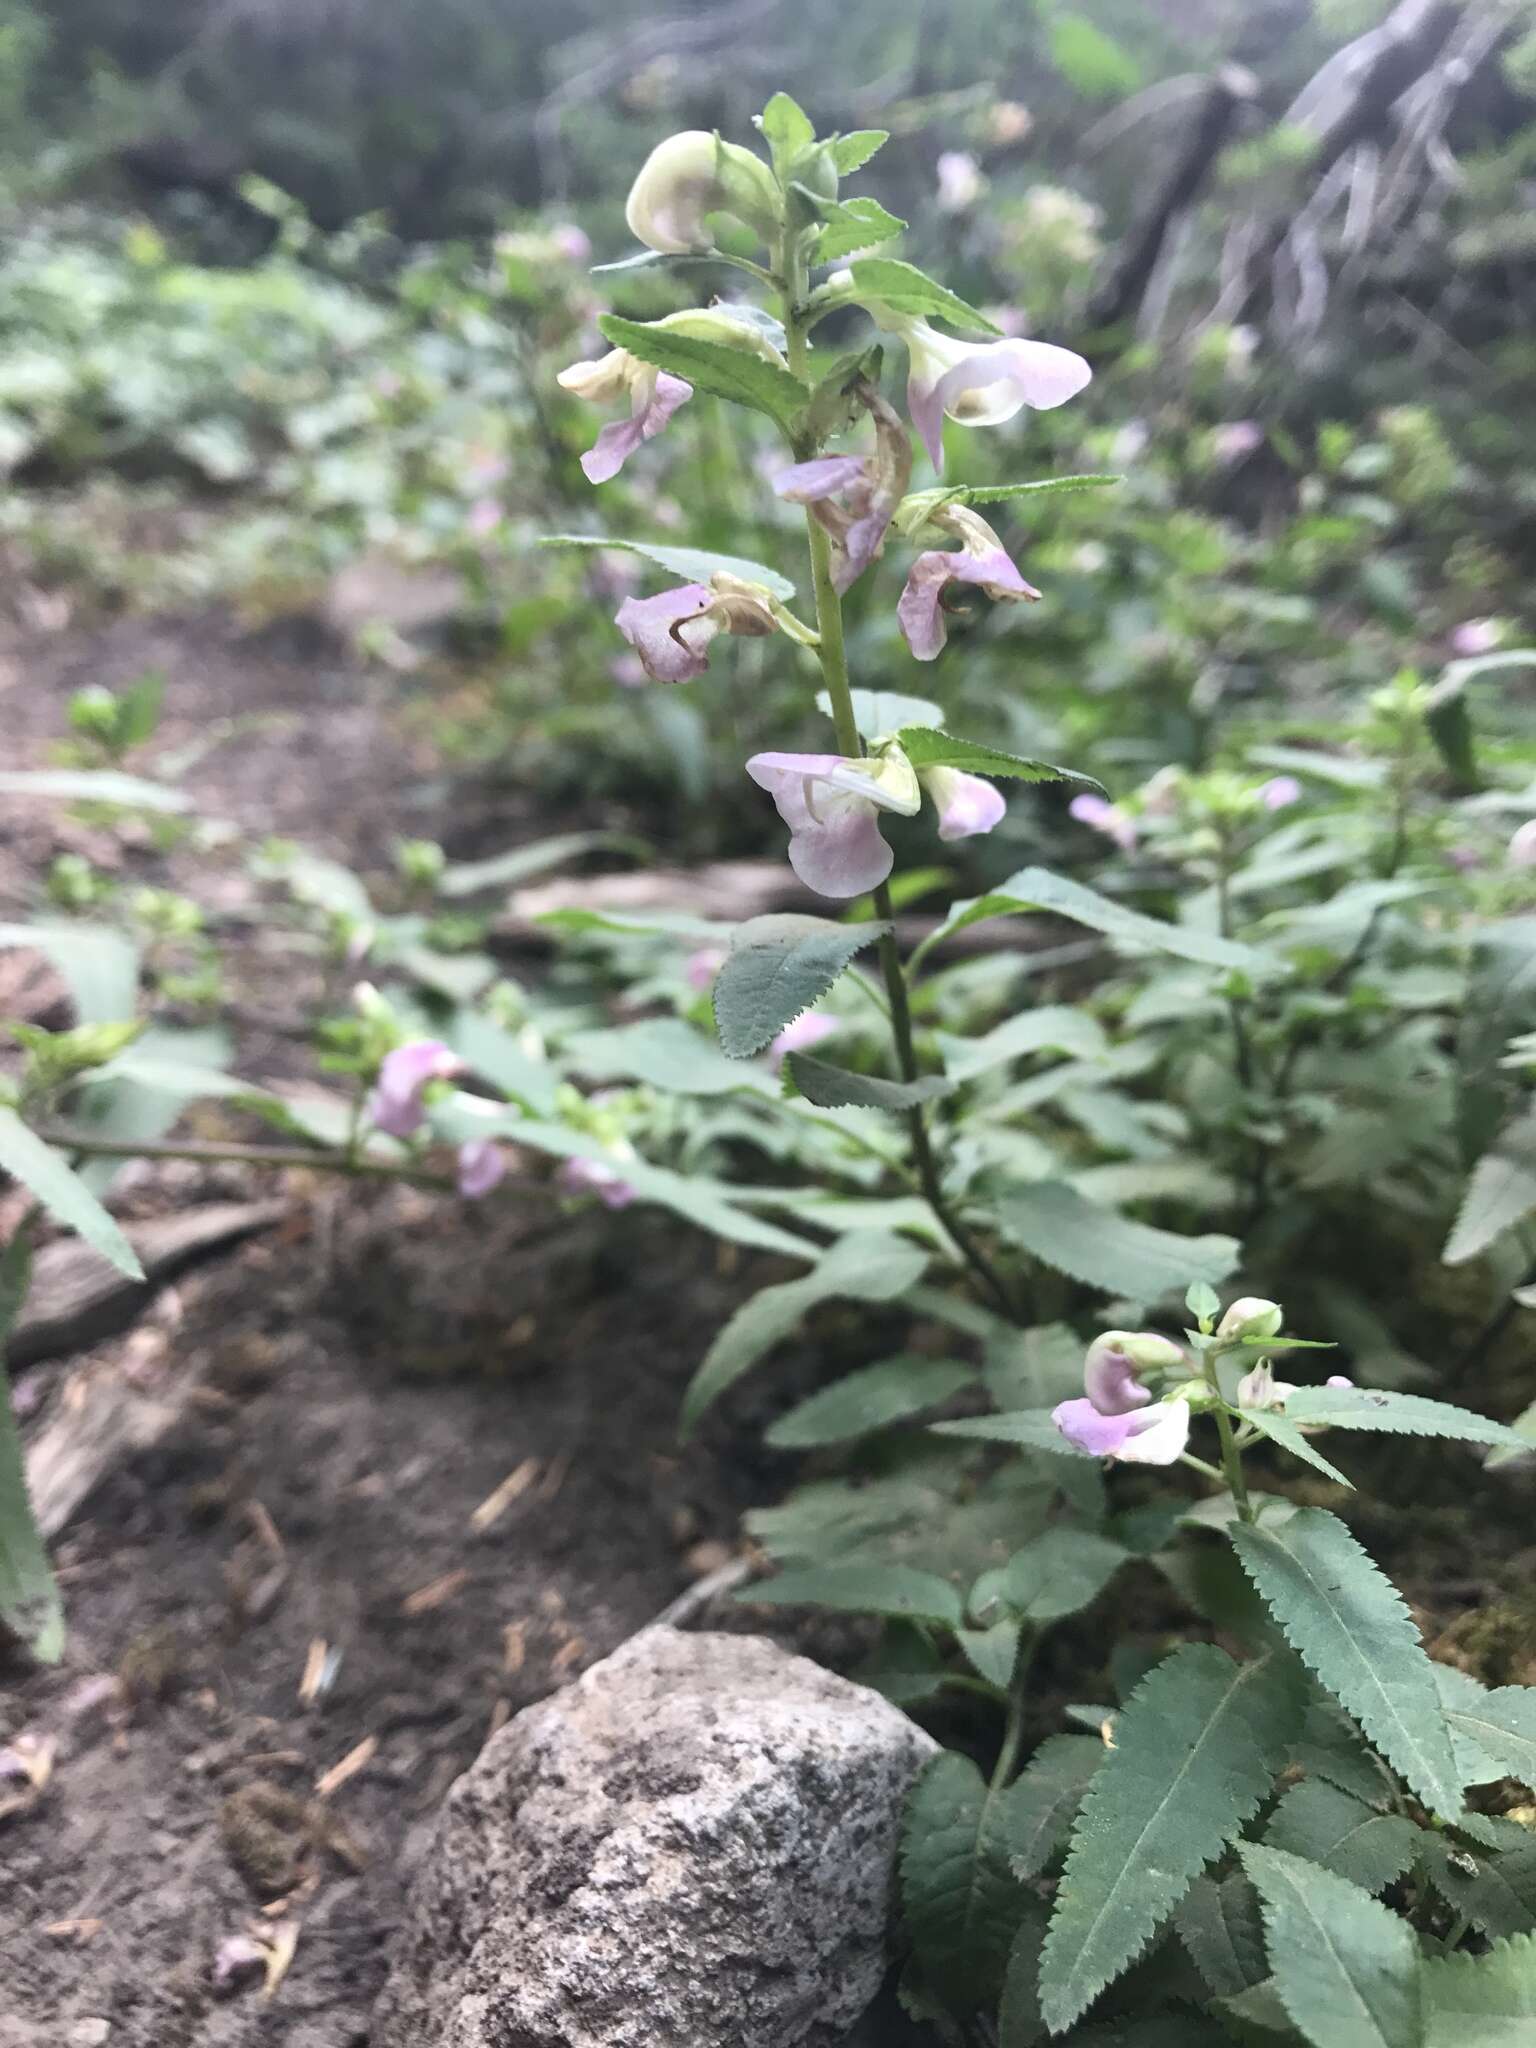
pixel 832 652
pixel 87 1147
pixel 1013 1731
pixel 1232 1466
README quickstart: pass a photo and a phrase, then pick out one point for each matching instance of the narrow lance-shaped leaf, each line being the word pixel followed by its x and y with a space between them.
pixel 1500 1193
pixel 830 1087
pixel 62 1192
pixel 927 748
pixel 1347 1622
pixel 1378 1408
pixel 1065 1231
pixel 29 1595
pixel 897 1592
pixel 1345 1969
pixel 871 1399
pixel 961 1901
pixel 1196 1750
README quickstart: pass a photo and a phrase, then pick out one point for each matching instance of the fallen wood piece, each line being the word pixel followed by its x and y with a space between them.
pixel 76 1299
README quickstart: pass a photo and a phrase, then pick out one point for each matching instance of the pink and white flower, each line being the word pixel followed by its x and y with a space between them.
pixel 1280 792
pixel 832 807
pixel 1522 847
pixel 1118 1418
pixel 653 398
pixel 481 1165
pixel 966 804
pixel 981 559
pixel 980 384
pixel 960 182
pixel 1476 636
pixel 854 496
pixel 1100 815
pixel 801 1034
pixel 397 1105
pixel 592 1177
pixel 672 631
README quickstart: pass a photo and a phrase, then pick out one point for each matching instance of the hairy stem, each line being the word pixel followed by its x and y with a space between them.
pixel 1232 1459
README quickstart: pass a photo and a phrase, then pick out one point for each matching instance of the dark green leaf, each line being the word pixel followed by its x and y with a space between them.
pixel 961 1902
pixel 1486 2001
pixel 927 748
pixel 904 289
pixel 1219 1925
pixel 100 966
pixel 1039 889
pixel 1065 1231
pixel 832 1087
pixel 1345 1968
pixel 1500 1193
pixel 1503 1723
pixel 1327 1826
pixel 778 966
pixel 1043 1801
pixel 1282 1430
pixel 864 1266
pixel 1020 2022
pixel 1059 1572
pixel 738 374
pixel 1348 1623
pixel 61 1191
pixel 872 1399
pixel 1196 1750
pixel 895 1591
pixel 1376 1408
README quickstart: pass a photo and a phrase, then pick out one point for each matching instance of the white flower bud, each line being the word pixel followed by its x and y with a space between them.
pixel 690 175
pixel 1251 1317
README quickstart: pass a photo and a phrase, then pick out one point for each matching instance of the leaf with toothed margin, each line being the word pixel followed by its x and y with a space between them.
pixel 777 967
pixel 1346 1968
pixel 903 289
pixel 1347 1622
pixel 717 367
pixel 830 1087
pixel 1486 2001
pixel 926 748
pixel 1196 1749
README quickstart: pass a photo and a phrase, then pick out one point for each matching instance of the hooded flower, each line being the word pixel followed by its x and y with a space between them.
pixel 832 806
pixel 854 496
pixel 396 1105
pixel 481 1165
pixel 1118 1419
pixel 670 632
pixel 980 559
pixel 691 175
pixel 981 384
pixel 653 398
pixel 1100 815
pixel 966 804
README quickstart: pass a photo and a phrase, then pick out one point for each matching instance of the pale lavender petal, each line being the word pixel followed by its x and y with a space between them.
pixel 628 671
pixel 1089 1429
pixel 1041 374
pixel 652 625
pixel 482 1164
pixel 806 483
pixel 1158 1435
pixel 591 1177
pixel 801 1034
pixel 926 405
pixel 1338 1379
pixel 835 845
pixel 1103 816
pixel 1110 1382
pixel 787 777
pixel 701 967
pixel 620 438
pixel 967 804
pixel 395 1106
pixel 918 611
pixel 1475 636
pixel 992 571
pixel 1237 438
pixel 861 543
pixel 1279 792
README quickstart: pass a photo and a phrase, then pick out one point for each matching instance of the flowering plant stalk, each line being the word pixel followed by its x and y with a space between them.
pixel 1217 1799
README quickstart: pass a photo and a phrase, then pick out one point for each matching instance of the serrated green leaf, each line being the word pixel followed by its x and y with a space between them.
pixel 903 289
pixel 100 966
pixel 896 1591
pixel 1020 2022
pixel 778 966
pixel 1043 1800
pixel 1332 1749
pixel 1031 1427
pixel 1345 1968
pixel 1377 1408
pixel 905 1666
pixel 851 224
pixel 927 748
pixel 786 127
pixel 961 1902
pixel 1196 1750
pixel 1486 2001
pixel 1495 1889
pixel 830 1087
pixel 1059 1572
pixel 1347 1622
pixel 874 1398
pixel 1065 1231
pixel 93 785
pixel 1219 1925
pixel 62 1193
pixel 1503 1722
pixel 1280 1429
pixel 29 1595
pixel 1040 889
pixel 733 373
pixel 693 565
pixel 852 151
pixel 864 1266
pixel 1500 1193
pixel 1327 1826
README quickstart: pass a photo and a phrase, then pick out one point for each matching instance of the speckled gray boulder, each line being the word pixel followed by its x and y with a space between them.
pixel 692 1847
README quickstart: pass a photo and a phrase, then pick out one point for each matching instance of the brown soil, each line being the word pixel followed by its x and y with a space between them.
pixel 366 1379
